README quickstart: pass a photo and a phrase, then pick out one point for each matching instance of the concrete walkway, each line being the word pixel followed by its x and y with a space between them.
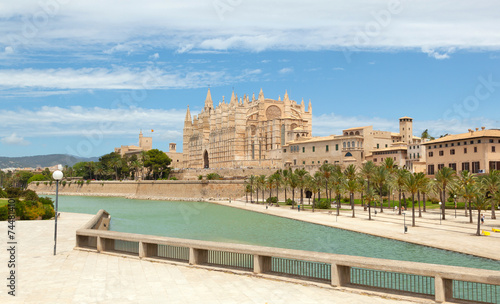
pixel 74 276
pixel 455 234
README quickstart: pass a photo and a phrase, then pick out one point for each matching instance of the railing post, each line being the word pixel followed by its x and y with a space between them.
pixel 443 289
pixel 341 275
pixel 261 264
pixel 100 244
pixel 147 249
pixel 197 256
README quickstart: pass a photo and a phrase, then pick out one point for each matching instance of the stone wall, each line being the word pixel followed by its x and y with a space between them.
pixel 237 173
pixel 168 190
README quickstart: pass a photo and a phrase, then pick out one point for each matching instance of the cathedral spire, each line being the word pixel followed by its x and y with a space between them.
pixel 286 96
pixel 302 106
pixel 208 101
pixel 309 107
pixel 261 96
pixel 253 97
pixel 188 116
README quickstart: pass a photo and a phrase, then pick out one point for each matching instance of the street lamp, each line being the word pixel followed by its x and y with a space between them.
pixel 57 176
pixel 440 214
pixel 455 198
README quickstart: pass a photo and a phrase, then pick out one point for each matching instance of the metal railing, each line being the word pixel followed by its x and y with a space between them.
pixel 443 283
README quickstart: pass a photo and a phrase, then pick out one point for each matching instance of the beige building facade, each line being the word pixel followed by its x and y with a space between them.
pixel 475 151
pixel 243 132
pixel 355 146
pixel 145 144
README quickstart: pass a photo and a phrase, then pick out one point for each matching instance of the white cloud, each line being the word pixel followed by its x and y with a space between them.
pixel 9 50
pixel 191 25
pixel 155 56
pixel 338 69
pixel 104 78
pixel 436 54
pixel 286 70
pixel 13 139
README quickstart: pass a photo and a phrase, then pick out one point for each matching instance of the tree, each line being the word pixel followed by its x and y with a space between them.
pixel 491 183
pixel 426 135
pixel 444 177
pixel 23 178
pixel 351 184
pixel 157 162
pixel 467 180
pixel 422 181
pixel 480 202
pixel 294 183
pixel 367 170
pixel 380 177
pixel 261 184
pixel 370 196
pixel 38 177
pixel 400 183
pixel 326 172
pixel 301 178
pixel 251 183
pixel 412 184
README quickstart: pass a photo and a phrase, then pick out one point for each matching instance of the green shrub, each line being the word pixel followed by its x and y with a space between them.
pixel 173 178
pixel 38 183
pixel 4 213
pixel 88 181
pixel 200 177
pixel 272 200
pixel 289 201
pixel 48 212
pixel 50 183
pixel 3 193
pixel 323 204
pixel 46 201
pixel 29 195
pixel 45 183
pixel 213 176
pixel 63 183
pixel 13 192
pixel 37 177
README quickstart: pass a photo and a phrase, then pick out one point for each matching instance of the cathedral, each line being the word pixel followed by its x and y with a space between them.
pixel 244 132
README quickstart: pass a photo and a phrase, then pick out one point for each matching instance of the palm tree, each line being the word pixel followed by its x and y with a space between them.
pixel 380 177
pixel 294 182
pixel 261 181
pixel 370 196
pixel 491 183
pixel 338 182
pixel 422 184
pixel 251 182
pixel 494 198
pixel 90 165
pixel 286 177
pixel 445 176
pixel 391 168
pixel 351 186
pixel 326 172
pixel 480 202
pixel 270 184
pixel 301 175
pixel 400 183
pixel 278 181
pixel 412 186
pixel 313 186
pixel 135 165
pixel 367 170
pixel 466 179
pixel 116 163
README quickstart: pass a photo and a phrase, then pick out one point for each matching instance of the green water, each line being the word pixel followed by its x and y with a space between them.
pixel 204 221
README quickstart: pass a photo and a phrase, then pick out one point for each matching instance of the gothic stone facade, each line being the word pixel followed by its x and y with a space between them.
pixel 244 132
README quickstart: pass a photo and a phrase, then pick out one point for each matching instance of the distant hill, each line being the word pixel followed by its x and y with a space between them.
pixel 42 161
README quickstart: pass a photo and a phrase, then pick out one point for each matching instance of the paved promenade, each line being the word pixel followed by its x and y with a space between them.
pixel 455 234
pixel 74 276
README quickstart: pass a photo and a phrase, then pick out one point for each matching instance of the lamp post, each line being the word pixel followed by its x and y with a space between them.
pixel 440 214
pixel 455 198
pixel 57 176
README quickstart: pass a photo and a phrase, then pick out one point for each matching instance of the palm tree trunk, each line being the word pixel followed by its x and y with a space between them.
pixel 352 204
pixel 413 209
pixel 443 205
pixel 493 216
pixel 404 200
pixel 419 210
pixel 257 195
pixel 369 211
pixel 381 202
pixel 338 204
pixel 314 196
pixel 363 201
pixel 478 232
pixel 425 202
pixel 293 196
pixel 399 212
pixel 470 211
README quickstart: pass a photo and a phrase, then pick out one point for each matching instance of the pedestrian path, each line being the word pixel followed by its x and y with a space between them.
pixel 74 276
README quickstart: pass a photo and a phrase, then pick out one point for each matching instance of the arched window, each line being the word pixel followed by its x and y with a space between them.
pixel 344 144
pixel 348 144
pixel 352 133
pixel 357 132
pixel 348 154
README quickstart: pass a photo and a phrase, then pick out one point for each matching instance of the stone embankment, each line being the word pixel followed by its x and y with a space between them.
pixel 155 190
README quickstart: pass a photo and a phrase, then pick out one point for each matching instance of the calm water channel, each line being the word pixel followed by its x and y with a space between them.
pixel 203 221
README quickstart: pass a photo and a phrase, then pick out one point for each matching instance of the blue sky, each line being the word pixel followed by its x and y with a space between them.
pixel 84 77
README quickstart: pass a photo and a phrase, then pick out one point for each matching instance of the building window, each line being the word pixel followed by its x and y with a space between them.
pixel 452 144
pixel 294 162
pixel 471 142
pixel 446 145
pixel 491 141
pixel 458 144
pixel 440 146
pixel 493 149
pixel 374 160
pixel 475 149
pixel 313 162
pixel 303 149
pixel 326 148
pixel 344 144
pixel 418 155
pixel 430 169
pixel 452 152
pixel 465 150
pixel 440 166
pixel 441 153
pixel 475 167
pixel 378 146
pixel 336 147
pixel 478 141
pixel 465 167
pixel 465 143
pixel 314 149
pixel 453 166
pixel 431 154
pixel 386 145
pixel 284 150
pixel 304 162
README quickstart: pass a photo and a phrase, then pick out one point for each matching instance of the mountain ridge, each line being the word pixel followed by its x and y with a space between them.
pixel 47 160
